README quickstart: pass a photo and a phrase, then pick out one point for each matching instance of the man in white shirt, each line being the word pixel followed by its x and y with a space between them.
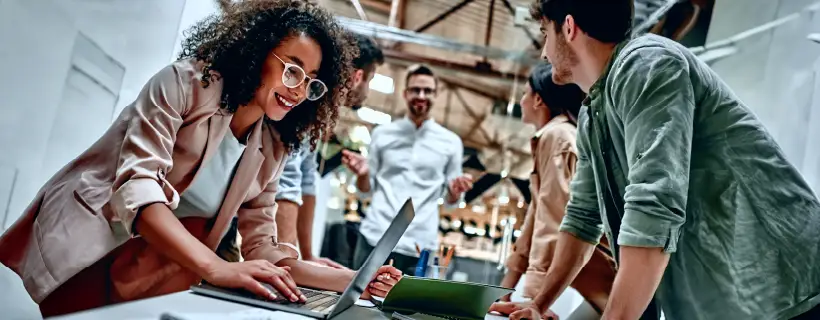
pixel 410 157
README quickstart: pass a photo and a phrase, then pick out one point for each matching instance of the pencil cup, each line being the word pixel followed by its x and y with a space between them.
pixel 436 272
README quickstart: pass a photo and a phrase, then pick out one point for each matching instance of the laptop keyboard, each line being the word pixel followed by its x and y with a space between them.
pixel 317 301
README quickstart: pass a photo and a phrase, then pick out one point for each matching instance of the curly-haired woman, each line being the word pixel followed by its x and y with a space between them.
pixel 141 211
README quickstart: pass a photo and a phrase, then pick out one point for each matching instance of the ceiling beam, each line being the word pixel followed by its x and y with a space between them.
pixel 375 5
pixel 452 65
pixel 395 6
pixel 488 33
pixel 490 92
pixel 443 15
pixel 359 10
pixel 484 91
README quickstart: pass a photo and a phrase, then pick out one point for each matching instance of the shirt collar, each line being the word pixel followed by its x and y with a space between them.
pixel 596 88
pixel 409 123
pixel 553 122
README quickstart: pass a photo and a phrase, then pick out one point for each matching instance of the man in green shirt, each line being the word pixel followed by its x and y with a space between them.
pixel 702 209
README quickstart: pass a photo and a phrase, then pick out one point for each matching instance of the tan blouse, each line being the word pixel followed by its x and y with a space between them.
pixel 555 156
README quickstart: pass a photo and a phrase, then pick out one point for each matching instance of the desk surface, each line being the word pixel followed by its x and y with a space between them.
pixel 188 303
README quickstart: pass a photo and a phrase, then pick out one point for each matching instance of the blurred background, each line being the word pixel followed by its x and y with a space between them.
pixel 70 66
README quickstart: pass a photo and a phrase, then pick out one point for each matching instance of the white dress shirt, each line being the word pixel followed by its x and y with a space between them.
pixel 406 161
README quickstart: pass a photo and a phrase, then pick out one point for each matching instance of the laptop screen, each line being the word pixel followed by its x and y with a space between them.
pixel 376 259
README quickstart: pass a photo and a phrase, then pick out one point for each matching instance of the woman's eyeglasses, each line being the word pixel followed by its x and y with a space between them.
pixel 293 76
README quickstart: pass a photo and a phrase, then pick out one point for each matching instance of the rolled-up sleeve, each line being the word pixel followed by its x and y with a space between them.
pixel 257 225
pixel 309 170
pixel 519 259
pixel 452 171
pixel 290 183
pixel 658 113
pixel 583 218
pixel 373 163
pixel 146 152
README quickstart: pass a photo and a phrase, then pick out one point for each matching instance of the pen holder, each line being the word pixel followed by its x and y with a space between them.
pixel 436 272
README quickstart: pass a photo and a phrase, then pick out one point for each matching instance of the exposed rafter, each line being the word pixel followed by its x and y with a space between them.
pixel 359 10
pixel 522 57
pixel 375 6
pixel 443 15
pixel 452 65
pixel 488 33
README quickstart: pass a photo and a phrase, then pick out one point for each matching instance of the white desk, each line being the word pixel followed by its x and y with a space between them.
pixel 189 303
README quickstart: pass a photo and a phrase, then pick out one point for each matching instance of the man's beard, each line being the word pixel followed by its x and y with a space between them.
pixel 421 111
pixel 564 60
pixel 356 96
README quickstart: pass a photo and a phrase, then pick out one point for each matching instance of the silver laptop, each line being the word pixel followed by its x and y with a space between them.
pixel 321 304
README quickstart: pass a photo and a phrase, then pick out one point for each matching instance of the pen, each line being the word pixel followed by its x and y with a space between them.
pixel 389 263
pixel 449 257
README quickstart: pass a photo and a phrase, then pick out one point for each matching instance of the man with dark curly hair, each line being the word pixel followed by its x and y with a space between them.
pixel 140 213
pixel 705 215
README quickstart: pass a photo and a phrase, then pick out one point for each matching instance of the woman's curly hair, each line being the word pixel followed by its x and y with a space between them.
pixel 236 42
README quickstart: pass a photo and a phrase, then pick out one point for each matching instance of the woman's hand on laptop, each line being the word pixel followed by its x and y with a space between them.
pixel 250 275
pixel 385 279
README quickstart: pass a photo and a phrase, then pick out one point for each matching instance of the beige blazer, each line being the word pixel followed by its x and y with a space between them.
pixel 555 157
pixel 150 154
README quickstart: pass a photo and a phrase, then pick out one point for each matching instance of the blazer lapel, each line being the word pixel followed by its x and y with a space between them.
pixel 244 176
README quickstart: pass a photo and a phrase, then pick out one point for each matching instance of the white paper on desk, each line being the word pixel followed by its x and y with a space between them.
pixel 365 303
pixel 250 314
pixel 491 316
pixel 368 303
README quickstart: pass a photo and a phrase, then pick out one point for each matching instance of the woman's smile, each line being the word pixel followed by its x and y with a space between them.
pixel 285 103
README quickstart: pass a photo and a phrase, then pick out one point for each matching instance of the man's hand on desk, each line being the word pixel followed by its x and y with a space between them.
pixel 385 279
pixel 522 310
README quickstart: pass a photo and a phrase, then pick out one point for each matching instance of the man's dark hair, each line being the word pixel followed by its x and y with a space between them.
pixel 607 21
pixel 370 55
pixel 419 70
pixel 559 99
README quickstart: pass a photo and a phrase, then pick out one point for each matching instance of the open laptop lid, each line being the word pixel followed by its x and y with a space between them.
pixel 376 259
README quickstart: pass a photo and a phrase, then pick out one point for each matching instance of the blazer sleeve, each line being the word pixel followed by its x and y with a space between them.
pixel 519 259
pixel 556 166
pixel 145 154
pixel 257 226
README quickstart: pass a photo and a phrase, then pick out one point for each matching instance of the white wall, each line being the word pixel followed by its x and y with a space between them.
pixel 194 11
pixel 37 38
pixel 775 74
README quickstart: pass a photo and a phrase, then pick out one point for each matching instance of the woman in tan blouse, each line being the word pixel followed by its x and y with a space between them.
pixel 140 212
pixel 553 109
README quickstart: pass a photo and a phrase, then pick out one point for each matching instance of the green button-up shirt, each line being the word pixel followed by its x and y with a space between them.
pixel 669 157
